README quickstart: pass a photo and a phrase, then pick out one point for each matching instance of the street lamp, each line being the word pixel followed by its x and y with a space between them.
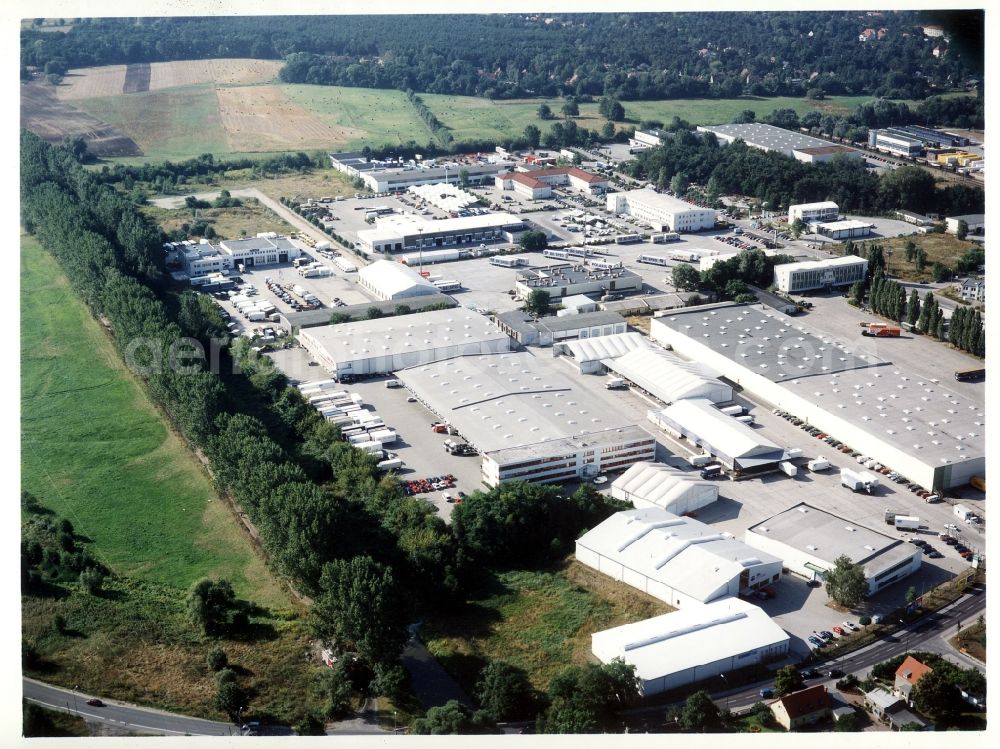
pixel 726 682
pixel 76 709
pixel 906 637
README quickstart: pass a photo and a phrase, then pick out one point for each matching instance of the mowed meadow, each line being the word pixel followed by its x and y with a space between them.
pixel 95 450
pixel 238 107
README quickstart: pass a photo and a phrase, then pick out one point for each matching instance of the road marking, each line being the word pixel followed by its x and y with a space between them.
pixel 80 713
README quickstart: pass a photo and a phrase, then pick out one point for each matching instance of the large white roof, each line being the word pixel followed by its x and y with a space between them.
pixel 393 278
pixel 656 484
pixel 685 639
pixel 832 262
pixel 723 433
pixel 389 336
pixel 668 377
pixel 605 347
pixel 508 400
pixel 680 552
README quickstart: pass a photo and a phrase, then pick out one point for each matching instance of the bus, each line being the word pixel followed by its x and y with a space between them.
pixel 967 375
pixel 652 260
pixel 606 264
pixel 508 262
pixel 627 239
pixel 558 254
pixel 667 236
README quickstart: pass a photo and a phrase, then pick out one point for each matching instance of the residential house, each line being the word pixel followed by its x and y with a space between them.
pixel 910 671
pixel 973 289
pixel 892 710
pixel 867 35
pixel 802 708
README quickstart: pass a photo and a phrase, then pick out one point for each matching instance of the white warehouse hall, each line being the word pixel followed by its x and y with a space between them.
pixel 698 643
pixel 679 560
pixel 657 485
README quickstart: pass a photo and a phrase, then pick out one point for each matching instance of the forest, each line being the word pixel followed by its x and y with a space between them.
pixel 372 559
pixel 621 55
pixel 779 180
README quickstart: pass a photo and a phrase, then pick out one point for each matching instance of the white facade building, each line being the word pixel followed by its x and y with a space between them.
pixel 390 343
pixel 810 540
pixel 810 212
pixel 668 377
pixel 818 274
pixel 560 281
pixel 266 248
pixel 388 281
pixel 679 560
pixel 658 485
pixel 912 424
pixel 693 645
pixel 527 418
pixel 662 212
pixel 402 232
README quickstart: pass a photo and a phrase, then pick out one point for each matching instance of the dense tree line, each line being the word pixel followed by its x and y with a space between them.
pixel 780 180
pixel 509 56
pixel 437 128
pixel 52 552
pixel 967 332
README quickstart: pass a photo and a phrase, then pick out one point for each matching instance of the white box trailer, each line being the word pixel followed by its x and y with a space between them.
pixel 818 464
pixel 906 522
pixel 361 437
pixel 383 436
pixel 962 512
pixel 732 410
pixel 700 460
pixel 370 446
pixel 858 480
pixel 391 464
pixel 345 265
pixel 687 257
pixel 787 468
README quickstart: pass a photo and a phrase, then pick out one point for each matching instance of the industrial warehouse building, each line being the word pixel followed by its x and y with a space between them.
pixel 895 142
pixel 539 182
pixel 693 645
pixel 390 281
pixel 451 198
pixel 810 212
pixel 847 229
pixel 389 343
pixel 546 331
pixel 527 419
pixel 669 378
pixel 735 445
pixel 592 354
pixel 643 139
pixel 679 560
pixel 402 232
pixel 770 138
pixel 265 249
pixel 568 280
pixel 658 485
pixel 661 212
pixel 913 425
pixel 810 540
pixel 819 274
pixel 385 177
pixel 976 223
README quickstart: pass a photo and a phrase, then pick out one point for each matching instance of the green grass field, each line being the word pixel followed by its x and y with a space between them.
pixel 95 450
pixel 384 115
pixel 538 620
pixel 174 123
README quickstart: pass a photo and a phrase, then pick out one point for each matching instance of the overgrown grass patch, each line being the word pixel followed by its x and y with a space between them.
pixel 96 451
pixel 228 223
pixel 537 620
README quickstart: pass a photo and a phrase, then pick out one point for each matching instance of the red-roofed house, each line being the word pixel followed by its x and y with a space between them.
pixel 910 671
pixel 802 708
pixel 867 35
pixel 538 183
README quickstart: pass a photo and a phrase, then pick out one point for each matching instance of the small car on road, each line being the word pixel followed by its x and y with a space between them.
pixel 94 702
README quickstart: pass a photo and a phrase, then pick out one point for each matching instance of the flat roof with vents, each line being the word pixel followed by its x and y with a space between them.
pixel 513 401
pixel 388 336
pixel 915 414
pixel 765 137
pixel 828 536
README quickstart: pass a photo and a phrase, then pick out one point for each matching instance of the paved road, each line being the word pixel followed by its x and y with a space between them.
pixel 126 717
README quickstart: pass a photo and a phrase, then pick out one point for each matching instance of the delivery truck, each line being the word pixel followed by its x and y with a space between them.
pixel 858 481
pixel 818 464
pixel 880 330
pixel 962 512
pixel 615 383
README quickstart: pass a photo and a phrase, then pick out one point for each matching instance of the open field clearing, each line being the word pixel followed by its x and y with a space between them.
pixel 53 120
pixel 262 118
pixel 229 223
pixel 940 248
pixel 471 117
pixel 540 621
pixel 109 80
pixel 373 116
pixel 175 124
pixel 220 72
pixel 95 450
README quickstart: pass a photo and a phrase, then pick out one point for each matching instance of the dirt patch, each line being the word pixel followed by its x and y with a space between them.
pixel 51 119
pixel 223 72
pixel 262 118
pixel 86 83
pixel 136 78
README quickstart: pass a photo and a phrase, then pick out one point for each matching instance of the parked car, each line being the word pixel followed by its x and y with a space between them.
pixel 815 641
pixel 766 693
pixel 839 631
pixel 834 673
pixel 824 635
pixel 851 626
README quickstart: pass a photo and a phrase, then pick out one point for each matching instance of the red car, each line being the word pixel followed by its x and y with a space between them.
pixel 838 631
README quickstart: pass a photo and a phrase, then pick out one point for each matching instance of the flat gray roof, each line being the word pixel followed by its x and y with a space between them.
pixel 829 536
pixel 557 324
pixel 567 273
pixel 314 317
pixel 768 137
pixel 913 413
pixel 510 400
